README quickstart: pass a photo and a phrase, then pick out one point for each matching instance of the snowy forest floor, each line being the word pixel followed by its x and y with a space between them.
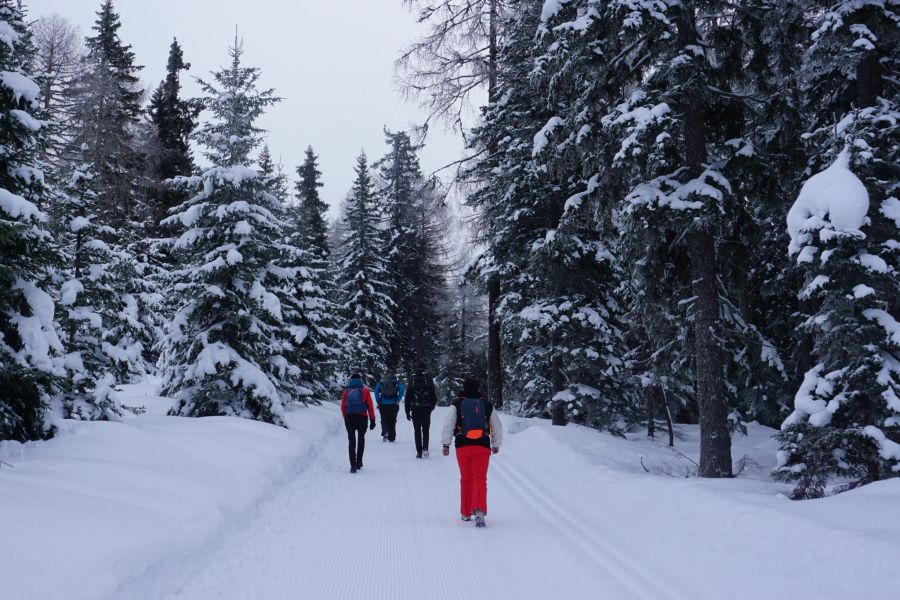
pixel 192 509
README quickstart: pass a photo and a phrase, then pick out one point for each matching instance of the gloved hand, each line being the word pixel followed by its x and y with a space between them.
pixel 495 449
pixel 371 424
pixel 408 417
pixel 446 451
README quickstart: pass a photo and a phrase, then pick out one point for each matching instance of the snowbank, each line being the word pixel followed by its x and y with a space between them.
pixel 735 539
pixel 106 502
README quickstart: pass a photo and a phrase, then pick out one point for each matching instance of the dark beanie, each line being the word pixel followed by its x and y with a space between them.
pixel 355 376
pixel 471 387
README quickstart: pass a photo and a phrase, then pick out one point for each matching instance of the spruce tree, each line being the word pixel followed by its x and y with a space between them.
pixel 273 176
pixel 320 349
pixel 107 107
pixel 312 209
pixel 96 315
pixel 29 344
pixel 844 228
pixel 232 343
pixel 366 306
pixel 503 142
pixel 173 118
pixel 409 207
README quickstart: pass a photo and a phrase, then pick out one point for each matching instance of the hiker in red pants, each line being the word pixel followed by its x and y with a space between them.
pixel 478 433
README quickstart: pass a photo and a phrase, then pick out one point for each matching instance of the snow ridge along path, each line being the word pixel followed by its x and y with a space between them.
pixel 391 531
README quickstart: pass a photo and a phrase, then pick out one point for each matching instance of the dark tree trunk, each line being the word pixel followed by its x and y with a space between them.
pixel 558 410
pixel 868 80
pixel 492 51
pixel 715 441
pixel 495 363
pixel 669 425
pixel 495 360
pixel 651 411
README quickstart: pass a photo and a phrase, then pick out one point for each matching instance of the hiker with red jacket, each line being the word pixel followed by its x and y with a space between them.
pixel 476 428
pixel 356 405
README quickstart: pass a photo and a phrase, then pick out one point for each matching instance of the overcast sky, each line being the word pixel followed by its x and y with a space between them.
pixel 331 61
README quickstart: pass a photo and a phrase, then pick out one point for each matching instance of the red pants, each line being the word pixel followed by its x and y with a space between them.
pixel 473 467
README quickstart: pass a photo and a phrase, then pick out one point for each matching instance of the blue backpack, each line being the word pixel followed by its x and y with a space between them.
pixel 473 420
pixel 356 404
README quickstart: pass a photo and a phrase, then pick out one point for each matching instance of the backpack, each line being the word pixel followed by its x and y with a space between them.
pixel 421 392
pixel 473 419
pixel 389 389
pixel 356 404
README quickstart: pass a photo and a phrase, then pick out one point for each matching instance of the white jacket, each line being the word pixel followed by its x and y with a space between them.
pixel 450 425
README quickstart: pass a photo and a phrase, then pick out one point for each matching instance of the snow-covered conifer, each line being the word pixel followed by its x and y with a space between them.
pixel 107 106
pixel 173 119
pixel 231 345
pixel 29 343
pixel 365 302
pixel 96 317
pixel 410 209
pixel 845 227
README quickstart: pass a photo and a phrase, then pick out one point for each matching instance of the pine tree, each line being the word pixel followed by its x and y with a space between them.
pixel 108 106
pixel 320 349
pixel 231 346
pixel 273 176
pixel 29 344
pixel 466 352
pixel 665 135
pixel 504 142
pixel 844 227
pixel 173 118
pixel 366 306
pixel 97 318
pixel 415 281
pixel 558 299
pixel 312 209
pixel 457 58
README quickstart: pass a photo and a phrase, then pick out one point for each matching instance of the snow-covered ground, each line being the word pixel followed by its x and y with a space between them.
pixel 221 508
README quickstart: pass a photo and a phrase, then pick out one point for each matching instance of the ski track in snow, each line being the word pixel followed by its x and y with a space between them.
pixel 393 531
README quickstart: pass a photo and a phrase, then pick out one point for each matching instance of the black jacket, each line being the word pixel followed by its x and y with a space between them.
pixel 420 393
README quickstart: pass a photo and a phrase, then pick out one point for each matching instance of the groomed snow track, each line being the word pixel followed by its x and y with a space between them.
pixel 392 531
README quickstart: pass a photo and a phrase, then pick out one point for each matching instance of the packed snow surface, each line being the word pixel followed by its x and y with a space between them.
pixel 223 508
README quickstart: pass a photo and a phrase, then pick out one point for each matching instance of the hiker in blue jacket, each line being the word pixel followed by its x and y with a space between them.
pixel 388 395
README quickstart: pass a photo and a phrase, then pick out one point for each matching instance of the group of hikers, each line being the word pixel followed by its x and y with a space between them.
pixel 471 424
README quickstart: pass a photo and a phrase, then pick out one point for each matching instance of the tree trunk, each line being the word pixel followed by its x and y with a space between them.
pixel 868 80
pixel 715 441
pixel 495 363
pixel 651 411
pixel 494 17
pixel 558 410
pixel 669 425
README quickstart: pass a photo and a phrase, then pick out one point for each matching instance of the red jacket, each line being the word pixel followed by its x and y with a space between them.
pixel 367 396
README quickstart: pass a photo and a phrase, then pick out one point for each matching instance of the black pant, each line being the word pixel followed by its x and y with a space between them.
pixel 389 420
pixel 356 435
pixel 421 419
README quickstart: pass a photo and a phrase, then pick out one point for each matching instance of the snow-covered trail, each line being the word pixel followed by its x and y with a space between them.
pixel 392 531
